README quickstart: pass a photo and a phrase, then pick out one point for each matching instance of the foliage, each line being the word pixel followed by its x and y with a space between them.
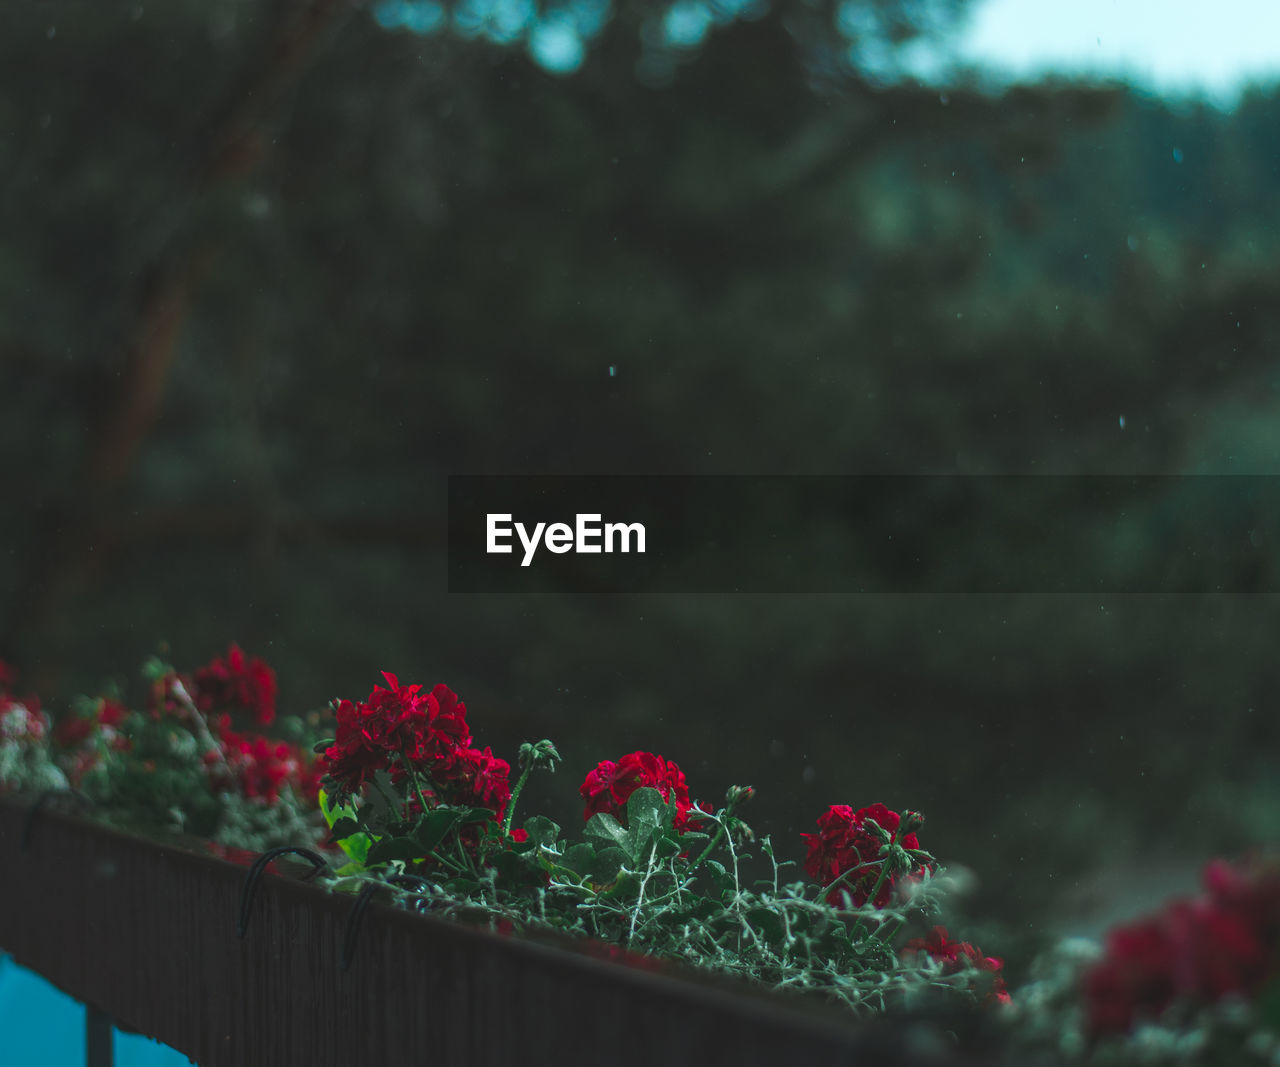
pixel 177 766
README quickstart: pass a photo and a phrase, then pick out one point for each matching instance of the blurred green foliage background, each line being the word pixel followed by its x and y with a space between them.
pixel 270 272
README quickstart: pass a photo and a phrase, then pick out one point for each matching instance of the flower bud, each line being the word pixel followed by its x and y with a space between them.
pixel 543 754
pixel 911 820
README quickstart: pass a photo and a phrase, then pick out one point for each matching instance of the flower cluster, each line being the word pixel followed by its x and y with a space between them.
pixel 236 682
pixel 1195 951
pixel 24 740
pixel 255 767
pixel 607 788
pixel 190 725
pixel 98 728
pixel 957 957
pixel 407 733
pixel 103 718
pixel 22 721
pixel 853 853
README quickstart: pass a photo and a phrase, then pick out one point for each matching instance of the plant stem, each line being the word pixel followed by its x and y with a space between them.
pixel 466 858
pixel 453 865
pixel 515 796
pixel 413 777
pixel 721 830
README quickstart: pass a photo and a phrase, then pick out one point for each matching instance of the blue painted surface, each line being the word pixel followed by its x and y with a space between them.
pixel 41 1027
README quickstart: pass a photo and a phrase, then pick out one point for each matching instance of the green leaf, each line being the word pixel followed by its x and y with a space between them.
pixel 624 886
pixel 463 887
pixel 514 871
pixel 331 813
pixel 670 844
pixel 606 864
pixel 768 922
pixel 468 815
pixel 721 878
pixel 344 827
pixel 393 848
pixel 702 909
pixel 357 847
pixel 648 812
pixel 320 746
pixel 579 859
pixel 609 832
pixel 433 826
pixel 541 830
pixel 377 802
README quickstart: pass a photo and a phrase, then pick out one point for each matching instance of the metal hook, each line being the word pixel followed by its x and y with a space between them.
pixel 354 919
pixel 408 881
pixel 352 932
pixel 28 824
pixel 255 874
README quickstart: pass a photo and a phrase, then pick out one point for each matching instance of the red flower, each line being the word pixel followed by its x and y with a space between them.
pixel 110 713
pixel 73 732
pixel 845 843
pixel 608 787
pixel 474 777
pixel 22 721
pixel 1224 942
pixel 257 767
pixel 1135 976
pixel 395 722
pixel 958 956
pixel 105 719
pixel 236 682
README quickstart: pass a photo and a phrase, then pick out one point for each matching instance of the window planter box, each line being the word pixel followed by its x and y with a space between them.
pixel 146 932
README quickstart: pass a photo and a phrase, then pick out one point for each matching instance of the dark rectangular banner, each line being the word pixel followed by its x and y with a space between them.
pixel 863 534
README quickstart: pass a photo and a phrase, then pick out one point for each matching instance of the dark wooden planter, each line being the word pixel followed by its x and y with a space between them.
pixel 146 932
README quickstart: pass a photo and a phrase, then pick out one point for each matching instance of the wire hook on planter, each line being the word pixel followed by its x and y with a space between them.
pixel 356 915
pixel 255 874
pixel 42 801
pixel 354 918
pixel 408 881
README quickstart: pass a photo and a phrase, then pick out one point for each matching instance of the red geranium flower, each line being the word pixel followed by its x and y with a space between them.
pixel 73 732
pixel 957 956
pixel 845 843
pixel 1224 942
pixel 258 767
pixel 475 777
pixel 236 682
pixel 608 787
pixel 396 721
